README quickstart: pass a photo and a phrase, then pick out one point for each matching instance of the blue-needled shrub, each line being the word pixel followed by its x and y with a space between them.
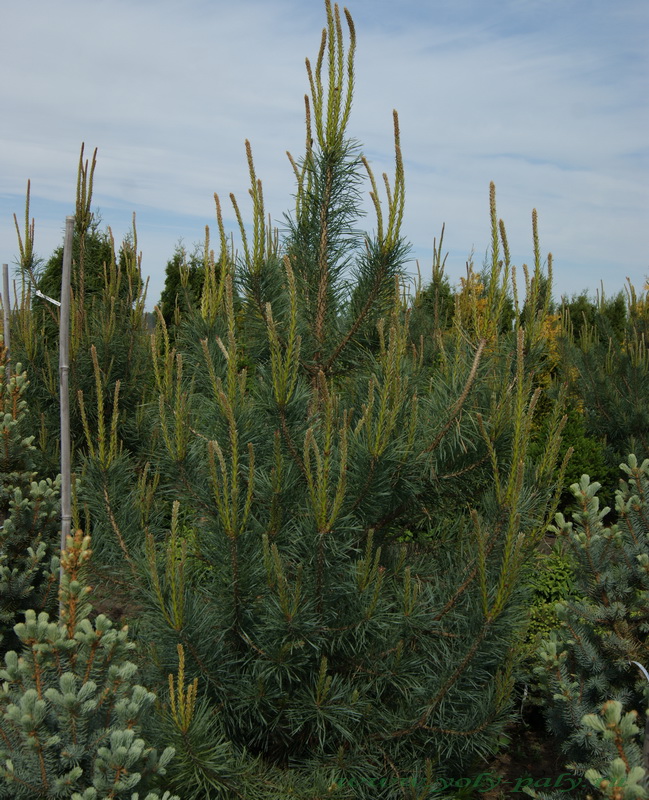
pixel 592 659
pixel 70 710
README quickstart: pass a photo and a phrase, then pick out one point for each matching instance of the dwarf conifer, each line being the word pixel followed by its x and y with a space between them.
pixel 595 659
pixel 70 712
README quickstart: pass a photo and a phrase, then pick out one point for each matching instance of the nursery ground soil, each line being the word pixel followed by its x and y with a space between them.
pixel 112 596
pixel 533 758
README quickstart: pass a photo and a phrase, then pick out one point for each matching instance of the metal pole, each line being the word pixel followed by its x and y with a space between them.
pixel 64 368
pixel 6 307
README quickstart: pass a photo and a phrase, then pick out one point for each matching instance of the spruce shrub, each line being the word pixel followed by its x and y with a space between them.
pixel 70 712
pixel 589 664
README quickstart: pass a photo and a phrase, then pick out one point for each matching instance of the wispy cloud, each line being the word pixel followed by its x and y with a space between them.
pixel 547 99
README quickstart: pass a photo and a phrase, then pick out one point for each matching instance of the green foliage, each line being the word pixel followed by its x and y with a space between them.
pixel 29 512
pixel 437 302
pixel 588 457
pixel 433 309
pixel 586 453
pixel 109 350
pixel 551 582
pixel 96 270
pixel 588 659
pixel 206 763
pixel 98 256
pixel 621 774
pixel 605 361
pixel 625 774
pixel 70 714
pixel 91 794
pixel 319 501
pixel 584 314
pixel 184 279
pixel 273 496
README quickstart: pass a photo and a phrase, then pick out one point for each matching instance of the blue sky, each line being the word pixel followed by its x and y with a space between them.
pixel 547 98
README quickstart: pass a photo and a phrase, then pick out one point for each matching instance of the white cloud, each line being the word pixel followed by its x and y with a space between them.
pixel 547 99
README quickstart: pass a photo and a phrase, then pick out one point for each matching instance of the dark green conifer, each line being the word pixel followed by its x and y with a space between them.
pixel 606 363
pixel 184 279
pixel 109 342
pixel 297 434
pixel 29 512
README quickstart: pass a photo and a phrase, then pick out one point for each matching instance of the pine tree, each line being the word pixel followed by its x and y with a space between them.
pixel 608 314
pixel 257 513
pixel 606 363
pixel 184 279
pixel 109 351
pixel 297 434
